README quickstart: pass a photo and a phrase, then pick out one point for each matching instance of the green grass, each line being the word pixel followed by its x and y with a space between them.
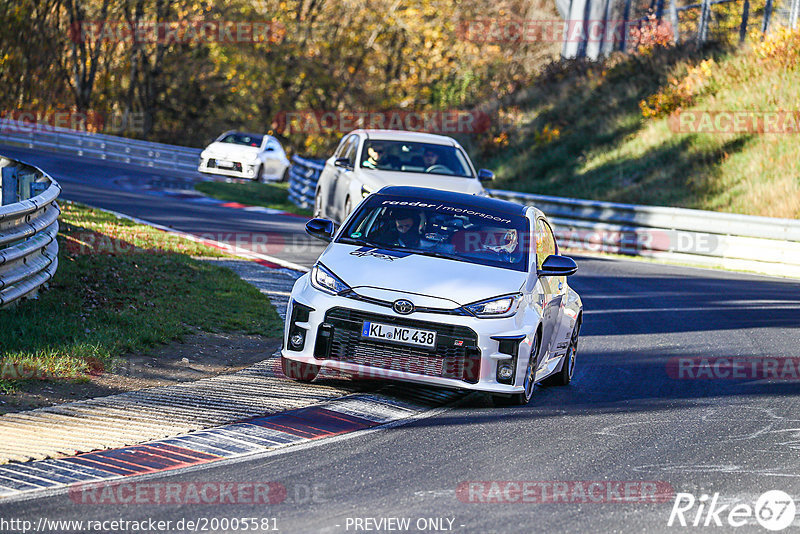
pixel 123 287
pixel 580 132
pixel 275 196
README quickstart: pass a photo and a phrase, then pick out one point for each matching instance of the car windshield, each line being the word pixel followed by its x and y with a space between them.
pixel 242 139
pixel 458 232
pixel 406 156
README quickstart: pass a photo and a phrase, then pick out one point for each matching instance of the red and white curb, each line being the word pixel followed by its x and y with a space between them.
pixel 238 440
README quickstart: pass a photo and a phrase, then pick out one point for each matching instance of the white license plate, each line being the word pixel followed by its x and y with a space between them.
pixel 399 334
pixel 225 164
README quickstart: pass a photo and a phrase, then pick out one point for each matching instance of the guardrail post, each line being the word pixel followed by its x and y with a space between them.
pixel 767 17
pixel 794 14
pixel 659 9
pixel 10 186
pixel 745 17
pixel 673 19
pixel 626 20
pixel 26 180
pixel 705 15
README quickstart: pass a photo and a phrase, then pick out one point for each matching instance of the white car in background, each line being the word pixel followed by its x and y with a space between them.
pixel 245 155
pixel 368 160
pixel 437 288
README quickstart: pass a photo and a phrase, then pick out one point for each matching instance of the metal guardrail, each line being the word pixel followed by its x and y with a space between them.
pixel 695 237
pixel 96 145
pixel 28 229
pixel 303 176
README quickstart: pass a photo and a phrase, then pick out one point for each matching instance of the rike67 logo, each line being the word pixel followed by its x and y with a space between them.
pixel 774 510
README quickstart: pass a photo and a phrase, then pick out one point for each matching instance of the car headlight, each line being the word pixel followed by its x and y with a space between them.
pixel 504 306
pixel 365 191
pixel 323 279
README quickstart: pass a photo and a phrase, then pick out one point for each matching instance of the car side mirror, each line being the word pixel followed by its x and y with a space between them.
pixel 555 265
pixel 321 229
pixel 485 175
pixel 343 163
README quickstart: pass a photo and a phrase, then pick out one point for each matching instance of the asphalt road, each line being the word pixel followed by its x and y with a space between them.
pixel 165 197
pixel 626 417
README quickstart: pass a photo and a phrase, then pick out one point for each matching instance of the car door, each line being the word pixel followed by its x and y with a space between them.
pixel 343 177
pixel 552 293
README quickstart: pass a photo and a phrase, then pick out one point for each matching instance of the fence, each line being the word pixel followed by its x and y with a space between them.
pixel 28 228
pixel 657 19
pixel 102 146
pixel 693 237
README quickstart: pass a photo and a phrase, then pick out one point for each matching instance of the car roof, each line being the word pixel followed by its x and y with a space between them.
pixel 245 133
pixel 404 135
pixel 437 195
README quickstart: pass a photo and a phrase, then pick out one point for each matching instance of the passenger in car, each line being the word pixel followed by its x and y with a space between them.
pixel 404 232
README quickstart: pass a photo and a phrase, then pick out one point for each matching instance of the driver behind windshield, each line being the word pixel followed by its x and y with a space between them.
pixel 403 230
pixel 374 153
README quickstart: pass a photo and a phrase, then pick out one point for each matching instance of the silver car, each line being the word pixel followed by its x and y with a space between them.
pixel 368 160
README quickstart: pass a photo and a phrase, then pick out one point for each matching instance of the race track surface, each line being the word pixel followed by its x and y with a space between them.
pixel 632 413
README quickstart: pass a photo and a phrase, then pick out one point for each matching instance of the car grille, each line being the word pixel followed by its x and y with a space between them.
pixel 456 354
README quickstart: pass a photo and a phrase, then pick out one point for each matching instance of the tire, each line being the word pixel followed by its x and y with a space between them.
pixel 318 203
pixel 260 178
pixel 564 376
pixel 285 176
pixel 521 399
pixel 302 372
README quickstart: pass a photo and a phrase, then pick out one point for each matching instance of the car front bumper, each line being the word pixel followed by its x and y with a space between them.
pixel 248 172
pixel 398 362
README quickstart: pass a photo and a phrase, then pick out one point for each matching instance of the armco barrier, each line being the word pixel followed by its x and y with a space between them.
pixel 702 238
pixel 28 228
pixel 303 176
pixel 95 145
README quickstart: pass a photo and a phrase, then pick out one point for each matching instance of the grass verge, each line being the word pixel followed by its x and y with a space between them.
pixel 122 287
pixel 612 131
pixel 275 196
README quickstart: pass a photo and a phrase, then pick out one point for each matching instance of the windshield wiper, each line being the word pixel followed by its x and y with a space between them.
pixel 365 242
pixel 435 254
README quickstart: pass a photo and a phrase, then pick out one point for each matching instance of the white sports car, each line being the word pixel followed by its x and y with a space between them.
pixel 244 155
pixel 437 288
pixel 368 160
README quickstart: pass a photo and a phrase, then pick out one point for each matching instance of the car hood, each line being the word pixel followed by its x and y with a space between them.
pixel 371 272
pixel 229 150
pixel 375 180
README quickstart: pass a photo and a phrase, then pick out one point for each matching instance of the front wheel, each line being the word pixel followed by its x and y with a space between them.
pixel 260 177
pixel 303 372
